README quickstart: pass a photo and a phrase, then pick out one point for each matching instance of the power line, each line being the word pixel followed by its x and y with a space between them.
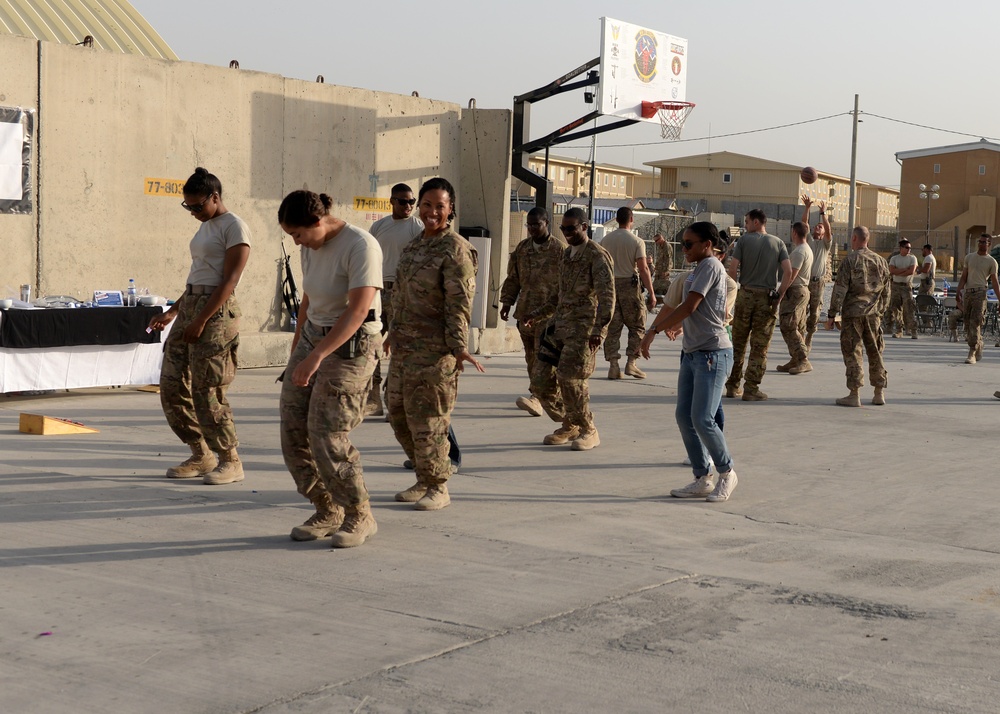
pixel 721 136
pixel 925 126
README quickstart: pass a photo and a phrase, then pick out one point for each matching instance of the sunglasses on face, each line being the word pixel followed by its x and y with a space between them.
pixel 688 245
pixel 196 207
pixel 405 201
pixel 570 229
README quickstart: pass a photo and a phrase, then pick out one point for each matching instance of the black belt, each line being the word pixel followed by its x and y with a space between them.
pixel 387 285
pixel 370 317
pixel 814 280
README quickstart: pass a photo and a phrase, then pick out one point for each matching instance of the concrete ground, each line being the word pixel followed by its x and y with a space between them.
pixel 855 569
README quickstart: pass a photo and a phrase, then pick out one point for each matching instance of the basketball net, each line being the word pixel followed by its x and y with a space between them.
pixel 672 116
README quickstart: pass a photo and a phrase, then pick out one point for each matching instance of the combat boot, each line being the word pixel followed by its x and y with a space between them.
pixel 733 392
pixel 754 396
pixel 373 407
pixel 800 367
pixel 632 369
pixel 413 494
pixel 202 461
pixel 229 470
pixel 851 400
pixel 979 352
pixel 323 522
pixel 879 398
pixel 913 334
pixel 435 499
pixel 359 525
pixel 614 371
pixel 787 366
pixel 586 441
pixel 561 435
pixel 971 359
pixel 530 405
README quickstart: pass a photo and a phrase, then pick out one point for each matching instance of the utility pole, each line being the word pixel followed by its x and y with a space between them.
pixel 854 174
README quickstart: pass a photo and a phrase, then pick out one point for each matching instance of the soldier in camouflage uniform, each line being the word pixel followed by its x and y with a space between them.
pixel 861 296
pixel 664 263
pixel 980 270
pixel 532 281
pixel 902 308
pixel 756 257
pixel 428 337
pixel 576 322
pixel 325 385
pixel 199 356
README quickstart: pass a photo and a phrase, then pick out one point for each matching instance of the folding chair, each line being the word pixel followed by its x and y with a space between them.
pixel 928 313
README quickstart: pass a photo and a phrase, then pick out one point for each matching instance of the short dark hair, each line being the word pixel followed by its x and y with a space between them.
pixel 928 246
pixel 401 188
pixel 986 236
pixel 757 214
pixel 202 183
pixel 801 229
pixel 440 184
pixel 903 242
pixel 577 213
pixel 624 215
pixel 539 212
pixel 301 209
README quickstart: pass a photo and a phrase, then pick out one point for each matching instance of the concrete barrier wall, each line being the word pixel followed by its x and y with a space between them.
pixel 18 233
pixel 111 123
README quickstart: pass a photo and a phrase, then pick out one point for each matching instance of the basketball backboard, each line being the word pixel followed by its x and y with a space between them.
pixel 639 64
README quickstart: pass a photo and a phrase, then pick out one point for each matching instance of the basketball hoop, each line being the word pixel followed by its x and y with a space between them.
pixel 672 116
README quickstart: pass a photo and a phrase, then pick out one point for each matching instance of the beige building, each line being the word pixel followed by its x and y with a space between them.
pixel 571 177
pixel 730 183
pixel 968 177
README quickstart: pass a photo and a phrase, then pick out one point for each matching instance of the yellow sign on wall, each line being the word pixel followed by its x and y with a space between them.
pixel 172 188
pixel 372 203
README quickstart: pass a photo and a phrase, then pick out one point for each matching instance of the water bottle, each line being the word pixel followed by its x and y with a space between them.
pixel 132 299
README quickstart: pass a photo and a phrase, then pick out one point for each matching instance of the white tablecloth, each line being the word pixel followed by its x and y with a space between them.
pixel 24 370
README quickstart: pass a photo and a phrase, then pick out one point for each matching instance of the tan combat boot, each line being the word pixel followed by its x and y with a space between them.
pixel 530 405
pixel 561 435
pixel 851 400
pixel 435 499
pixel 787 366
pixel 614 371
pixel 586 441
pixel 229 470
pixel 359 525
pixel 202 461
pixel 413 494
pixel 971 359
pixel 733 392
pixel 323 522
pixel 756 395
pixel 979 352
pixel 879 398
pixel 632 369
pixel 800 367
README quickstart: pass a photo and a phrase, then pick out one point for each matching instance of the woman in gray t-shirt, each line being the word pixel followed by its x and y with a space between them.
pixel 706 359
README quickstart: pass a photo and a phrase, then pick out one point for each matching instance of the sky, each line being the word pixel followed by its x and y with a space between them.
pixel 751 66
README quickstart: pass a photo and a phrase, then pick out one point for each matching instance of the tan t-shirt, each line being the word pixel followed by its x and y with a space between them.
pixel 900 263
pixel 352 259
pixel 625 248
pixel 980 268
pixel 209 246
pixel 801 257
pixel 392 236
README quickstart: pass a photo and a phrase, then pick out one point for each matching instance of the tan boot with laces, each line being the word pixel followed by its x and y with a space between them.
pixel 562 435
pixel 413 494
pixel 358 526
pixel 435 499
pixel 632 369
pixel 229 470
pixel 614 371
pixel 320 524
pixel 202 462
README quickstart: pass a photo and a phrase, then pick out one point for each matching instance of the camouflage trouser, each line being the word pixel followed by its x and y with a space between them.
pixel 563 389
pixel 194 377
pixel 816 288
pixel 926 286
pixel 316 420
pixel 753 323
pixel 858 332
pixel 529 337
pixel 420 399
pixel 386 302
pixel 974 315
pixel 792 316
pixel 630 312
pixel 661 283
pixel 902 308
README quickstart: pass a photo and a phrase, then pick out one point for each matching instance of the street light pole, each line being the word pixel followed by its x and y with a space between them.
pixel 929 193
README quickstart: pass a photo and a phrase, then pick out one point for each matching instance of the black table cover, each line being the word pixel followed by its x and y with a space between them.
pixel 77 326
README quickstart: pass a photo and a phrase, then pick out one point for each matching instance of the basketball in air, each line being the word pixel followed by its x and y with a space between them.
pixel 808 175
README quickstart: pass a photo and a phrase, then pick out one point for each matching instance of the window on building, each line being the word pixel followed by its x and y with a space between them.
pixel 937 168
pixel 605 179
pixel 982 169
pixel 562 173
pixel 727 178
pixel 614 181
pixel 552 173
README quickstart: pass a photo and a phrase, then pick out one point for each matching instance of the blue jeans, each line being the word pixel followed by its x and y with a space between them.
pixel 700 381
